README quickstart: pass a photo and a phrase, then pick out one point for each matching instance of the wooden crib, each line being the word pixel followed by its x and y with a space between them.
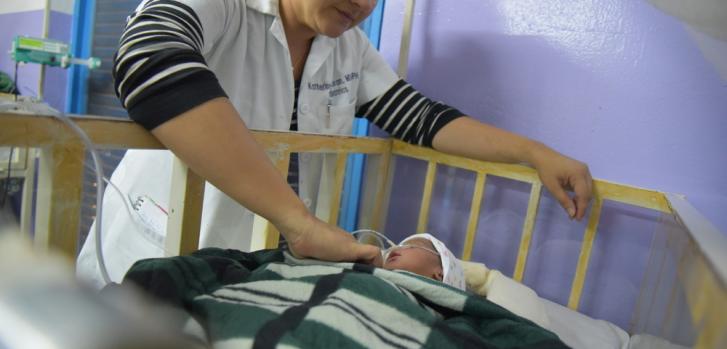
pixel 685 282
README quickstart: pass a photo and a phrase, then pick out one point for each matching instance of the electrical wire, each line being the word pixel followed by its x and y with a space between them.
pixel 99 190
pixel 357 234
pixel 362 234
pixel 15 78
pixel 6 185
pixel 128 201
pixel 99 179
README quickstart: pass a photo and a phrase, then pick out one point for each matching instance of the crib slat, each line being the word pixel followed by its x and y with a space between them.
pixel 383 186
pixel 264 234
pixel 185 210
pixel 702 295
pixel 474 215
pixel 669 309
pixel 58 209
pixel 337 188
pixel 706 298
pixel 698 296
pixel 714 320
pixel 527 235
pixel 427 197
pixel 271 234
pixel 282 163
pixel 654 278
pixel 26 209
pixel 585 255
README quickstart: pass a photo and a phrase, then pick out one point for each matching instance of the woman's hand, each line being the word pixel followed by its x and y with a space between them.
pixel 309 237
pixel 560 173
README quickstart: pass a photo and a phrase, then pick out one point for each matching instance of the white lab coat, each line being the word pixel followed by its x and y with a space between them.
pixel 245 46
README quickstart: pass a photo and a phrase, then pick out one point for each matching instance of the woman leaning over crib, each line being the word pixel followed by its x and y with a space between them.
pixel 199 73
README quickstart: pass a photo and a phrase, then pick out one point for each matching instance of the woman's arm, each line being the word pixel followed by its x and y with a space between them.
pixel 215 143
pixel 406 114
pixel 468 137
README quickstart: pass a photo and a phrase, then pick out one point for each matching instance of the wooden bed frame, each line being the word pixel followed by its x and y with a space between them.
pixel 687 266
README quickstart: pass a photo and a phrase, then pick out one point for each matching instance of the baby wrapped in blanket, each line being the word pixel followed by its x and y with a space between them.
pixel 425 255
pixel 269 298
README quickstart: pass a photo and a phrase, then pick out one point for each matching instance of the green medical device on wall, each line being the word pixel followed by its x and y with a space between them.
pixel 47 52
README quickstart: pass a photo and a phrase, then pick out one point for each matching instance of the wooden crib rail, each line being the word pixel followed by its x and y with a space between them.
pixel 109 133
pixel 603 190
pixel 62 155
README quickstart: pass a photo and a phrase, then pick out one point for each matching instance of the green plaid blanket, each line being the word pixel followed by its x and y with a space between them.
pixel 269 299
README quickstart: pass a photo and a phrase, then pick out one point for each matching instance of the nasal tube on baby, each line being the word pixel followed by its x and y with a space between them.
pixel 372 237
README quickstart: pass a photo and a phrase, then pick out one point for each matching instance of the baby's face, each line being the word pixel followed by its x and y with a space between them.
pixel 417 256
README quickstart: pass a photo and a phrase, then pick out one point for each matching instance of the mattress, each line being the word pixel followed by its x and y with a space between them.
pixel 646 341
pixel 574 329
pixel 580 331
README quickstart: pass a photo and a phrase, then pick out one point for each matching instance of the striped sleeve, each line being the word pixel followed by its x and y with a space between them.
pixel 159 71
pixel 408 115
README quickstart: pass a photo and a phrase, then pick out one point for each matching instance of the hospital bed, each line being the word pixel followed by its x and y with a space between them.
pixel 682 296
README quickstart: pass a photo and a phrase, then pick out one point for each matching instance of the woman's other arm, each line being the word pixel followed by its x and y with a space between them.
pixel 468 137
pixel 408 115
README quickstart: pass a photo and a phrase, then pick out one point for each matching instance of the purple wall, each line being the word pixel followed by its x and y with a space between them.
pixel 21 23
pixel 30 23
pixel 56 78
pixel 617 84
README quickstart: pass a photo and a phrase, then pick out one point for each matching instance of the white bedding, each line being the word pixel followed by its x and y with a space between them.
pixel 646 341
pixel 580 331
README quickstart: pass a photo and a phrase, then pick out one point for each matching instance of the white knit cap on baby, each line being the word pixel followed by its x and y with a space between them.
pixel 453 273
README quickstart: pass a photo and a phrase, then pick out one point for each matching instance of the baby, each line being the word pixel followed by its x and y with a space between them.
pixel 425 255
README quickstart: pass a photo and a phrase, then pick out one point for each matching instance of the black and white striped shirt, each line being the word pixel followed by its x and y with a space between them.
pixel 160 72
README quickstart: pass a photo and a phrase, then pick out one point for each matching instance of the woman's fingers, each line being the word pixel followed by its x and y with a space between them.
pixel 558 191
pixel 582 188
pixel 560 174
pixel 367 254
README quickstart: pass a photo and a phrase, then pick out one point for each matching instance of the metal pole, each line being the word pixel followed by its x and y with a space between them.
pixel 44 35
pixel 406 39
